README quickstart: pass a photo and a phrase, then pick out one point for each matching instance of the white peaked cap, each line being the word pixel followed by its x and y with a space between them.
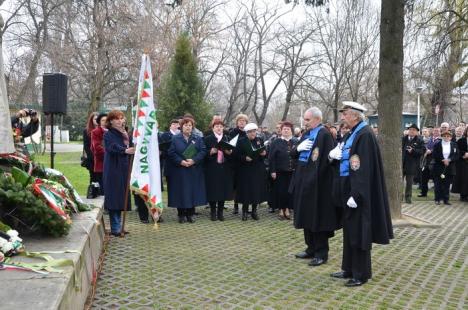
pixel 353 105
pixel 250 126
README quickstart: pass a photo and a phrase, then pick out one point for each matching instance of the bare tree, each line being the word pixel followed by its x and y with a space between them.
pixel 292 47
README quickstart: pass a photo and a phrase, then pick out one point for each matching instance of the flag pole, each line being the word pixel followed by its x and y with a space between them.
pixel 127 190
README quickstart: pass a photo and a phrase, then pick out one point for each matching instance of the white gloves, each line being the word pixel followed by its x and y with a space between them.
pixel 305 145
pixel 351 203
pixel 336 153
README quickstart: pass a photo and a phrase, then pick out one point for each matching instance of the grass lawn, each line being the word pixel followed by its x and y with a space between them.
pixel 69 165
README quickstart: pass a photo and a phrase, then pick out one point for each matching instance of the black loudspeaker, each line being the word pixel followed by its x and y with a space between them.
pixel 54 93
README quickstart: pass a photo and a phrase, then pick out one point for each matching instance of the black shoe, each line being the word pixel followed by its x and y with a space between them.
pixel 181 219
pixel 317 261
pixel 190 219
pixel 422 195
pixel 271 210
pixel 341 275
pixel 236 210
pixel 408 201
pixel 355 282
pixel 447 203
pixel 303 255
pixel 254 216
pixel 144 221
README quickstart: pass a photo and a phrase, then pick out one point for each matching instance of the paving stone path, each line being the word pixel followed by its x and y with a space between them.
pixel 251 265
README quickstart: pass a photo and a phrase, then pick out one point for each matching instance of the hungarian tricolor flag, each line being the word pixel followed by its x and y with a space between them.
pixel 146 173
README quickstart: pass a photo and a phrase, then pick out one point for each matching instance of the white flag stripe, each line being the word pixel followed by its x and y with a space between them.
pixel 146 172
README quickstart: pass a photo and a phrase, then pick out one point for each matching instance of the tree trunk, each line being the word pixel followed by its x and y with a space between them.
pixel 392 25
pixel 97 83
pixel 5 122
pixel 289 95
pixel 30 83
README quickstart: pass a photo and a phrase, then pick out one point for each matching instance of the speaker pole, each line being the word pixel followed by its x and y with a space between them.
pixel 52 154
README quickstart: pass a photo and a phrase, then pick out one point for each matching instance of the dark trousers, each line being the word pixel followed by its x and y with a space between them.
pixel 425 176
pixel 442 187
pixel 141 208
pixel 356 260
pixel 409 186
pixel 317 243
pixel 185 211
pixel 213 204
pixel 245 207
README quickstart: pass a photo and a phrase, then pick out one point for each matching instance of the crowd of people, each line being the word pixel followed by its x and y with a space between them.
pixel 324 177
pixel 440 154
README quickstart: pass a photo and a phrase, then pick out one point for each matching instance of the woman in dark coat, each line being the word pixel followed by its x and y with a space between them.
pixel 218 172
pixel 282 166
pixel 116 144
pixel 241 121
pixel 97 147
pixel 460 184
pixel 444 155
pixel 251 172
pixel 187 181
pixel 91 124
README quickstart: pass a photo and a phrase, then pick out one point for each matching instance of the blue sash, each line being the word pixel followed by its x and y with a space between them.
pixel 344 164
pixel 304 155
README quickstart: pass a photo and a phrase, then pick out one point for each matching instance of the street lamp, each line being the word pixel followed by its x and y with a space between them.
pixel 419 89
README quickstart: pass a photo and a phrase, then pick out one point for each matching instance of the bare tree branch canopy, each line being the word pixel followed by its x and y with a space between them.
pixel 266 58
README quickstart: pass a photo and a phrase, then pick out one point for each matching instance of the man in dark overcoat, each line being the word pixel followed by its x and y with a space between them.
pixel 311 186
pixel 412 148
pixel 366 217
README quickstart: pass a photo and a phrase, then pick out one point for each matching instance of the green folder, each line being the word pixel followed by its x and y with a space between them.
pixel 190 152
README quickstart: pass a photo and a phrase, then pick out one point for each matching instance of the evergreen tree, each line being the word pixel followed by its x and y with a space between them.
pixel 181 88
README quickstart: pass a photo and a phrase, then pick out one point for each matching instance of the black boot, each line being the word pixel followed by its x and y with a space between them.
pixel 97 191
pixel 220 212
pixel 254 212
pixel 213 212
pixel 244 212
pixel 89 192
pixel 236 208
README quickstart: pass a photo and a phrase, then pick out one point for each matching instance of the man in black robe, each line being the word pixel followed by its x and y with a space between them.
pixel 366 217
pixel 311 187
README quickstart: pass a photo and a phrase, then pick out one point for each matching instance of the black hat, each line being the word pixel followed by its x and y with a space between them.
pixel 413 126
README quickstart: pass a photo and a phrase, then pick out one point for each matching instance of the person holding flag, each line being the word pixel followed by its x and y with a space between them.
pixel 116 166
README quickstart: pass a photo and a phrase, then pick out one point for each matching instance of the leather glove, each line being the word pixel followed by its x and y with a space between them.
pixel 336 153
pixel 305 145
pixel 351 203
